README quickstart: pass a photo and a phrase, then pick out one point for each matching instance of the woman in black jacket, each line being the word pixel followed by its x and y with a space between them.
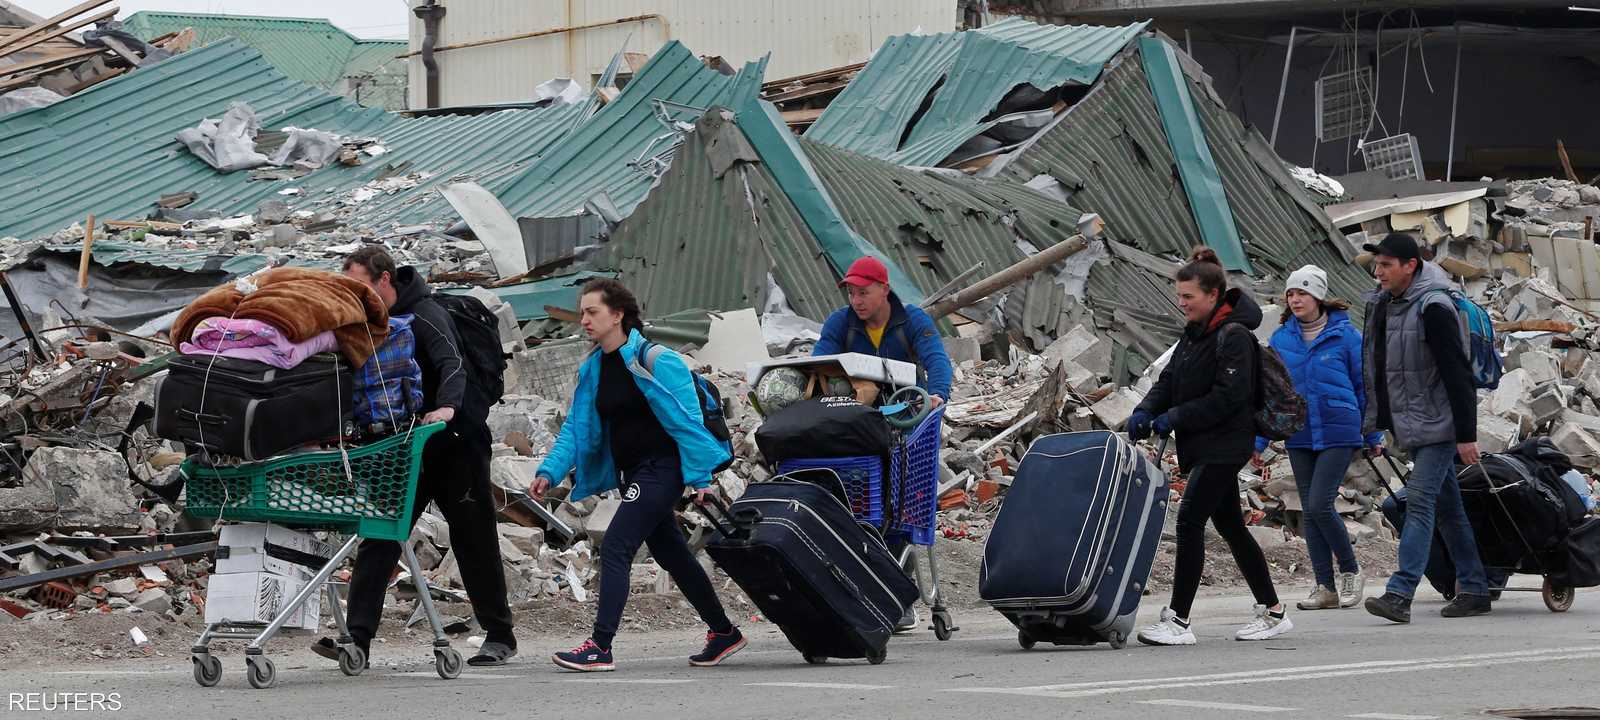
pixel 1205 396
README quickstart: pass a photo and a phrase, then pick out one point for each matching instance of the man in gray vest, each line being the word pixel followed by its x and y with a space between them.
pixel 1419 387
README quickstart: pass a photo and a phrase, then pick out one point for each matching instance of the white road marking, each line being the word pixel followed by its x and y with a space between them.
pixel 1217 706
pixel 1392 716
pixel 630 681
pixel 1108 687
pixel 464 676
pixel 820 686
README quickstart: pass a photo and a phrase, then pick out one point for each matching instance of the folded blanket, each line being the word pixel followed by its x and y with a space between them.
pixel 302 303
pixel 254 340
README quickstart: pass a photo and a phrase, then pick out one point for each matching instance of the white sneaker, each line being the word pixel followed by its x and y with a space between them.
pixel 1265 627
pixel 1170 631
pixel 1352 587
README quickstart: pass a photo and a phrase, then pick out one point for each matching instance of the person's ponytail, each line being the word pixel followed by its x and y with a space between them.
pixel 1206 269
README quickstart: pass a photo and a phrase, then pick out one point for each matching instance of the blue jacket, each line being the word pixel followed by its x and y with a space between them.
pixel 910 336
pixel 1327 373
pixel 584 442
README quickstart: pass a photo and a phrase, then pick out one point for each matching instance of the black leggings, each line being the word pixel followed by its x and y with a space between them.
pixel 1213 494
pixel 650 494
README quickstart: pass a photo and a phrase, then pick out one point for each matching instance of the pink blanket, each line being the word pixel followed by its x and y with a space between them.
pixel 254 340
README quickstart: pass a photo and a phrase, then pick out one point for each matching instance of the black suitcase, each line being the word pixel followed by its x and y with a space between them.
pixel 251 410
pixel 827 582
pixel 1070 553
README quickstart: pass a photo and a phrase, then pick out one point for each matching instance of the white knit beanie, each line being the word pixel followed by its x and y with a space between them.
pixel 1310 279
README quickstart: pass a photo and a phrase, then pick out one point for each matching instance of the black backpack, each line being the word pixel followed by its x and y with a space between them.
pixel 478 340
pixel 711 407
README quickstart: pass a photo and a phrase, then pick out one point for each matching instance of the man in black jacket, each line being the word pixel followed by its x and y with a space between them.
pixel 454 475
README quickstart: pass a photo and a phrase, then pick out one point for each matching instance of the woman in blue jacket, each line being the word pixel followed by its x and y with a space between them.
pixel 1322 350
pixel 635 425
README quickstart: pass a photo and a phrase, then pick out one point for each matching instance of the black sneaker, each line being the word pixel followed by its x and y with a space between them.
pixel 718 648
pixel 587 657
pixel 1465 605
pixel 329 648
pixel 1390 606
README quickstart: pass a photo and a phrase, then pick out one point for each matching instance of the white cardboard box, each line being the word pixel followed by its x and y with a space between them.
pixel 259 597
pixel 247 549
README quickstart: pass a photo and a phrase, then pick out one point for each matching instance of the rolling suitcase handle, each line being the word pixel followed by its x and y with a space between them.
pixel 1392 466
pixel 732 524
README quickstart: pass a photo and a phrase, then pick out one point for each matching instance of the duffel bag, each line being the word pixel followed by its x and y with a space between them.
pixel 825 427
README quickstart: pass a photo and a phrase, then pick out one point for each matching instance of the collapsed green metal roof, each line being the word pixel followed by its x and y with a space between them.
pixel 967 74
pixel 312 51
pixel 611 153
pixel 1113 156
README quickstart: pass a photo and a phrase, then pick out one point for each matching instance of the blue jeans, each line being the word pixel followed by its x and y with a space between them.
pixel 1318 474
pixel 1433 494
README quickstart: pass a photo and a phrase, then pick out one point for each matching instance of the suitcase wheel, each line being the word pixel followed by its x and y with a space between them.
pixel 816 659
pixel 877 658
pixel 1558 598
pixel 1117 641
pixel 1025 640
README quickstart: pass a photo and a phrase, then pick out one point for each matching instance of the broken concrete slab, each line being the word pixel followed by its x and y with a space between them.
pixel 599 520
pixel 1579 445
pixel 1083 347
pixel 1496 434
pixel 122 587
pixel 513 472
pixel 1547 403
pixel 526 539
pixel 90 486
pixel 1114 410
pixel 1541 367
pixel 154 600
pixel 1507 399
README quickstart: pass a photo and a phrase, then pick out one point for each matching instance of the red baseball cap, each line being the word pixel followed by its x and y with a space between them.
pixel 866 271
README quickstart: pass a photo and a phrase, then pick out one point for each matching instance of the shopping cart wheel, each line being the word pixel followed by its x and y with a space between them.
pixel 1117 641
pixel 877 658
pixel 1025 640
pixel 816 659
pixel 941 625
pixel 352 660
pixel 917 407
pixel 207 669
pixel 448 662
pixel 1558 597
pixel 260 672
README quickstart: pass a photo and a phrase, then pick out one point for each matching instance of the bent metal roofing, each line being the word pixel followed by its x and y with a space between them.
pixel 111 150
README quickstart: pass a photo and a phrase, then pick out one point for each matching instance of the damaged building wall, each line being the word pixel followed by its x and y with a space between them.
pixel 802 37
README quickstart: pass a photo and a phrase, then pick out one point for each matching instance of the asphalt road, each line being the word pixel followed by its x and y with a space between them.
pixel 1336 664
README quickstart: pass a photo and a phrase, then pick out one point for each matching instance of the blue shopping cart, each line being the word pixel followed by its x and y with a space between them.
pixel 902 499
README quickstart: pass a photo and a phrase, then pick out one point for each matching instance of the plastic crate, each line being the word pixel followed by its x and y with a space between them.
pixel 914 470
pixel 373 500
pixel 862 478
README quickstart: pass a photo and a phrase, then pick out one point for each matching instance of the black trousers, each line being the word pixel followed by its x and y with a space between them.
pixel 455 476
pixel 1213 494
pixel 650 495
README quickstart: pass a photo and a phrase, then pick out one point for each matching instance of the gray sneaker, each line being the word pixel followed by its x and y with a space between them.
pixel 1352 589
pixel 1322 597
pixel 908 620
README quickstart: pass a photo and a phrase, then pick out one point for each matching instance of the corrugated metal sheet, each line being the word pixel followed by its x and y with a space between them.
pixel 529 299
pixel 973 71
pixel 112 253
pixel 803 37
pixel 702 240
pixel 1110 150
pixel 110 150
pixel 315 52
pixel 597 158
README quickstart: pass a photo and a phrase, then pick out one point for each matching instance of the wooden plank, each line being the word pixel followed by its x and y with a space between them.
pixel 79 87
pixel 808 115
pixel 72 12
pixel 807 92
pixel 50 61
pixel 15 46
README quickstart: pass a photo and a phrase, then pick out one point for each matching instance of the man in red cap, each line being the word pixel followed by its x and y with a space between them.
pixel 877 323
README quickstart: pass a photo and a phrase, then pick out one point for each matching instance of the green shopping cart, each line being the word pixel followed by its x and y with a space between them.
pixel 362 492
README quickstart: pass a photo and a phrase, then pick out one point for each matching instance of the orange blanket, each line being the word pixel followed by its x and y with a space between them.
pixel 302 303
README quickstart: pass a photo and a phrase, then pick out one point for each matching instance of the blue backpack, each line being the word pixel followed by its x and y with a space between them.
pixel 388 388
pixel 1486 365
pixel 711 407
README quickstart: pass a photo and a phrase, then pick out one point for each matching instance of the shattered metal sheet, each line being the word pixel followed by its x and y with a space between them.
pixel 604 155
pixel 1111 154
pixel 110 150
pixel 969 73
pixel 704 239
pixel 529 299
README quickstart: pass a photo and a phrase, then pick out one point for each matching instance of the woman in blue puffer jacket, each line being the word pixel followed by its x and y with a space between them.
pixel 1322 350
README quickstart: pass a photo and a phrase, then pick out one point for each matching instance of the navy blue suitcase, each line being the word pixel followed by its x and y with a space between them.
pixel 826 581
pixel 1069 556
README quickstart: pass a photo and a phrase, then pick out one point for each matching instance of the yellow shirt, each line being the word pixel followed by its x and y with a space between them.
pixel 876 335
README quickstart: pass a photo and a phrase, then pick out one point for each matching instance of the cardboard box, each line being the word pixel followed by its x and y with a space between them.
pixel 259 597
pixel 252 547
